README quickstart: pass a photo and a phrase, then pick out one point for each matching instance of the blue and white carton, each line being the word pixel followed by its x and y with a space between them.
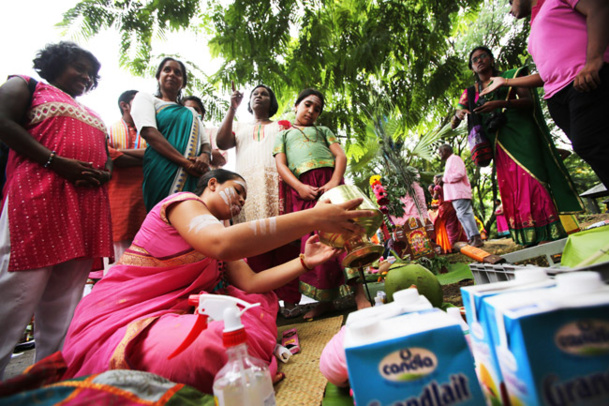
pixel 414 359
pixel 487 365
pixel 553 344
pixel 404 301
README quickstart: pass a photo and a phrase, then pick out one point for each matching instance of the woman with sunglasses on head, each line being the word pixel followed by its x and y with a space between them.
pixel 534 184
pixel 56 216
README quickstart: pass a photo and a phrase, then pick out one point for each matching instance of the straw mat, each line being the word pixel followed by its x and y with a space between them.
pixel 304 384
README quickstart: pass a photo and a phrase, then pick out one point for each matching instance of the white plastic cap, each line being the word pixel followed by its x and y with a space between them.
pixel 406 297
pixel 531 275
pixel 577 283
pixel 232 319
pixel 364 328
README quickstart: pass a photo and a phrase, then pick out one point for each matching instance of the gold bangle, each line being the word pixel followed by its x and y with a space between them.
pixel 302 262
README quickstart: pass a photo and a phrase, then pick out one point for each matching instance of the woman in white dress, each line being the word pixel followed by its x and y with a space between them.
pixel 253 144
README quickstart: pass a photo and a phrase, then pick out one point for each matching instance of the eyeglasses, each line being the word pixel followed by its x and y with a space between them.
pixel 475 59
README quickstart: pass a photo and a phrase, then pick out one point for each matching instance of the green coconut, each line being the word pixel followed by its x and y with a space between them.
pixel 403 276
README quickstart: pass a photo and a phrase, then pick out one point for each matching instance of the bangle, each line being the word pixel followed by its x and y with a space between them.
pixel 302 262
pixel 51 157
pixel 233 109
pixel 507 82
pixel 457 117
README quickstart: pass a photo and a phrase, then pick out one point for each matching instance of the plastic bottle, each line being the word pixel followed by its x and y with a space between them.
pixel 380 298
pixel 282 353
pixel 244 380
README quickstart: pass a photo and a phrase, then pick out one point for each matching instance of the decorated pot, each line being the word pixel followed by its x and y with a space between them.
pixel 360 250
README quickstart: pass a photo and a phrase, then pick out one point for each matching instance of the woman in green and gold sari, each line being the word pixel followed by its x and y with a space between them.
pixel 178 152
pixel 534 184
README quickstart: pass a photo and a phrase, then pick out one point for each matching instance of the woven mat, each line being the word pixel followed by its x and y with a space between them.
pixel 304 384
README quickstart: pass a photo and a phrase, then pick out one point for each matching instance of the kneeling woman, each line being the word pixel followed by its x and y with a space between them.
pixel 139 314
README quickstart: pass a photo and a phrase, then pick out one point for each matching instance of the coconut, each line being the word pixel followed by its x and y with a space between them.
pixel 403 276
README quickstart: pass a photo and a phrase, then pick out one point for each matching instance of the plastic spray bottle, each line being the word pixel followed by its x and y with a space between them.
pixel 244 380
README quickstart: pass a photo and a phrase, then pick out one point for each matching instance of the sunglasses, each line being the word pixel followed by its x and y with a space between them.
pixel 475 59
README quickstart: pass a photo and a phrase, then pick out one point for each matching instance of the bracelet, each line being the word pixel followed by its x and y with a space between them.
pixel 51 157
pixel 302 262
pixel 233 109
pixel 457 117
pixel 507 81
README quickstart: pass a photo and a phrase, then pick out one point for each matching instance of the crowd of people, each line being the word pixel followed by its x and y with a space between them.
pixel 150 194
pixel 162 217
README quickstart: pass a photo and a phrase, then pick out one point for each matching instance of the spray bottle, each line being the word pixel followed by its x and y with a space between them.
pixel 244 380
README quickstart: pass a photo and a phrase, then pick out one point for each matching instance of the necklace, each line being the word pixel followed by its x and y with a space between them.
pixel 305 135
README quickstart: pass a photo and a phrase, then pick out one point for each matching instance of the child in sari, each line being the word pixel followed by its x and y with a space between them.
pixel 311 161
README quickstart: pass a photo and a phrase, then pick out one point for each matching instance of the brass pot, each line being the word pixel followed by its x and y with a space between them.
pixel 360 250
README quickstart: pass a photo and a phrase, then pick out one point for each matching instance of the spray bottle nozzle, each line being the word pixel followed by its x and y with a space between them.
pixel 193 300
pixel 214 307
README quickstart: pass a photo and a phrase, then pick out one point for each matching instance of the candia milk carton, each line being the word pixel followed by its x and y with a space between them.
pixel 414 359
pixel 482 345
pixel 404 301
pixel 553 344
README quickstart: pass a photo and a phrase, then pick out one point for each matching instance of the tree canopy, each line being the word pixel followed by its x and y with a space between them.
pixel 413 52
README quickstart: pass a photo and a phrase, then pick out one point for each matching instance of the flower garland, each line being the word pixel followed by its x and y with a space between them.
pixel 379 192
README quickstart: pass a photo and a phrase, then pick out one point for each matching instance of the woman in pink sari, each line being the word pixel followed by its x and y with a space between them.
pixel 139 314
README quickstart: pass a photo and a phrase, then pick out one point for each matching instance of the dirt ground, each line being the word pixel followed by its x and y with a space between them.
pixel 452 292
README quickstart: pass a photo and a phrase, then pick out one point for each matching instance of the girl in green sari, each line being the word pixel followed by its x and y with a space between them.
pixel 178 152
pixel 534 184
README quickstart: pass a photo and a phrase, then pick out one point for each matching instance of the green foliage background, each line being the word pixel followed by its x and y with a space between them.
pixel 411 54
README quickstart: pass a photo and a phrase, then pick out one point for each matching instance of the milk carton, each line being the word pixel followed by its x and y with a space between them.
pixel 404 301
pixel 482 345
pixel 553 344
pixel 414 359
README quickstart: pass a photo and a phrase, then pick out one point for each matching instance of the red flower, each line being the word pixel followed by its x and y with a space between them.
pixel 383 201
pixel 284 124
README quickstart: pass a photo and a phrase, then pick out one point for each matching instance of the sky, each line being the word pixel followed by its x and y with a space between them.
pixel 26 26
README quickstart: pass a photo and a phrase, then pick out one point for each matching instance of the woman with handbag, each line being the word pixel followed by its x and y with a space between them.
pixel 534 184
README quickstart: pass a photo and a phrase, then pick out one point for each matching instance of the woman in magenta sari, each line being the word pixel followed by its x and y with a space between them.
pixel 534 184
pixel 138 314
pixel 502 225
